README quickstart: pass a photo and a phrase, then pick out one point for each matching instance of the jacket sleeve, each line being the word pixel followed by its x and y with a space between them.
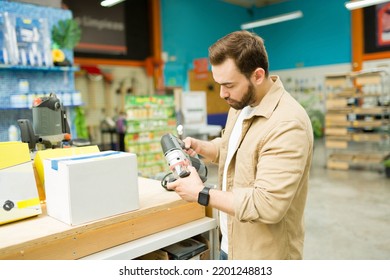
pixel 282 160
pixel 217 143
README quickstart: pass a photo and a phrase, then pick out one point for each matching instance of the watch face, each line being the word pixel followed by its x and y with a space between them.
pixel 203 197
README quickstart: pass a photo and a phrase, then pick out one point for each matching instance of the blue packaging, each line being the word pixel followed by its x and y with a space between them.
pixel 33 41
pixel 8 49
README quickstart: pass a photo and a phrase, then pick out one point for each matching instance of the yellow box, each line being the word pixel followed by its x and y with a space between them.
pixel 13 153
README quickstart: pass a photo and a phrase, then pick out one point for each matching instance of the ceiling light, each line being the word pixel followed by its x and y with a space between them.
pixel 272 20
pixel 352 5
pixel 110 3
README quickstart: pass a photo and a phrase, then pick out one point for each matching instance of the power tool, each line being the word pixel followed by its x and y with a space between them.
pixel 178 160
pixel 50 127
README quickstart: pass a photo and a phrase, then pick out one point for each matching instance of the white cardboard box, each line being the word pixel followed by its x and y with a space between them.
pixel 84 188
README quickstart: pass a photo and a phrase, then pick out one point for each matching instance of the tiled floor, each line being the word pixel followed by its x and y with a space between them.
pixel 347 213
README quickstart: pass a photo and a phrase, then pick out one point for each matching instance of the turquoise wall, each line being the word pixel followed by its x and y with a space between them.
pixel 321 37
pixel 189 27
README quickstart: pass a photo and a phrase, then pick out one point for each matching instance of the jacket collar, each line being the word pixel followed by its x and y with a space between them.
pixel 269 102
pixel 271 99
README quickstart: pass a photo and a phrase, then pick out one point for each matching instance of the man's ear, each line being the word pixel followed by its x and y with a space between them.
pixel 259 75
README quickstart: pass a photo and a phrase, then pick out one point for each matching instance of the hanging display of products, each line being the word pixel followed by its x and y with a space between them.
pixel 33 41
pixel 8 47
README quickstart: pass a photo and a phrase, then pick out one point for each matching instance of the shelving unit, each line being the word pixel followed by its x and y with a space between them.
pixel 357 125
pixel 39 68
pixel 23 83
pixel 20 84
pixel 148 119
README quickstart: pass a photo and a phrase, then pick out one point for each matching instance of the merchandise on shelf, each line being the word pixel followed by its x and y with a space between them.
pixel 357 125
pixel 8 47
pixel 36 76
pixel 148 119
pixel 33 41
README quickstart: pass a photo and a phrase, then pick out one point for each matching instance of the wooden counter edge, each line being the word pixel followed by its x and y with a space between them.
pixel 80 242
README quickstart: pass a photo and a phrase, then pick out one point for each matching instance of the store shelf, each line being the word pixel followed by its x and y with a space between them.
pixel 39 68
pixel 357 121
pixel 156 241
pixel 19 83
pixel 148 119
pixel 25 101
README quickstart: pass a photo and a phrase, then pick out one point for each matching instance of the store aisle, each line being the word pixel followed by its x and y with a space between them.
pixel 347 214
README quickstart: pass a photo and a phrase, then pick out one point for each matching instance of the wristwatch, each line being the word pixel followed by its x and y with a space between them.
pixel 204 196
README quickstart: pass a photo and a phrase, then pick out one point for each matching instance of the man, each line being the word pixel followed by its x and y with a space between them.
pixel 264 156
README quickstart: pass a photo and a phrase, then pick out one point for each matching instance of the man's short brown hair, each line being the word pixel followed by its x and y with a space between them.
pixel 245 48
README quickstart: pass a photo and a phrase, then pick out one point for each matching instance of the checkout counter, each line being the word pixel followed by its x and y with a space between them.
pixel 162 219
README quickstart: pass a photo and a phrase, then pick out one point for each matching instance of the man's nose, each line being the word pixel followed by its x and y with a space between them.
pixel 223 93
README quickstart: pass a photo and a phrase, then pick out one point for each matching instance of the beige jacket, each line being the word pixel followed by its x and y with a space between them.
pixel 268 175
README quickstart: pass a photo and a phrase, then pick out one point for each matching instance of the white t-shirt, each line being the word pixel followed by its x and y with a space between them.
pixel 233 142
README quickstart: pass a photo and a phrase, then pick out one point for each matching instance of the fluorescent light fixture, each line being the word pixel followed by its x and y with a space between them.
pixel 352 5
pixel 272 20
pixel 110 3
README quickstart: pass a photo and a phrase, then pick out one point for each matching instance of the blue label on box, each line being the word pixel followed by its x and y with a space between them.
pixel 54 162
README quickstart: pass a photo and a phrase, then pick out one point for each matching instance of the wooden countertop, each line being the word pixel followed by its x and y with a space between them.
pixel 44 237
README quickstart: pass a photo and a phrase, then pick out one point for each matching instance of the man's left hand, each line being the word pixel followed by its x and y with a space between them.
pixel 188 188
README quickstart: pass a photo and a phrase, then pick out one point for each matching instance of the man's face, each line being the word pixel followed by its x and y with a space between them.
pixel 235 88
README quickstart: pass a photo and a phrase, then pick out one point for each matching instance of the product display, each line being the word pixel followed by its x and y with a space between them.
pixel 357 119
pixel 33 41
pixel 8 47
pixel 148 118
pixel 25 32
pixel 25 41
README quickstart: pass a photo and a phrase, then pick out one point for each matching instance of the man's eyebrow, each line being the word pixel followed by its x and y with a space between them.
pixel 225 83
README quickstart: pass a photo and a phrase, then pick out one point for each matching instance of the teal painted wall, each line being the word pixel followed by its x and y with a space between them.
pixel 189 27
pixel 321 37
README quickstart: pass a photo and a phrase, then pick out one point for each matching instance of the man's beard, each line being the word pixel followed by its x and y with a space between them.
pixel 248 98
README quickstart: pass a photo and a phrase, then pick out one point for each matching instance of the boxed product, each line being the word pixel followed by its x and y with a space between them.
pixel 41 155
pixel 18 192
pixel 56 153
pixel 8 48
pixel 195 248
pixel 85 188
pixel 185 250
pixel 33 41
